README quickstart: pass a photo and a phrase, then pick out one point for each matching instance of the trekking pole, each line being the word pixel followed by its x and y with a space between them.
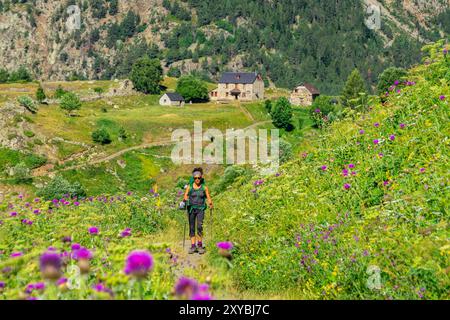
pixel 211 223
pixel 184 232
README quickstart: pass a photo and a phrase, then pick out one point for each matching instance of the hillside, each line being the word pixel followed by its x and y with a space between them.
pixel 288 41
pixel 362 213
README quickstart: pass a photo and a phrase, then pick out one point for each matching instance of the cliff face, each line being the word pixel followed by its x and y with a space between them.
pixel 37 33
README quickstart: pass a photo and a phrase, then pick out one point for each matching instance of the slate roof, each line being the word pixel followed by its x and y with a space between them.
pixel 310 88
pixel 238 77
pixel 174 96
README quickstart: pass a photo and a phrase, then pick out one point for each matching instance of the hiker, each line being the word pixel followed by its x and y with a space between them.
pixel 196 195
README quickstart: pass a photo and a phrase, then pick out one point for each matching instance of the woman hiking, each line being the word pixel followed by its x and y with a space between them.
pixel 196 195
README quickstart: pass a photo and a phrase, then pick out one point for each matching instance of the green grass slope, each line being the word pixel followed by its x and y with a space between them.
pixel 385 236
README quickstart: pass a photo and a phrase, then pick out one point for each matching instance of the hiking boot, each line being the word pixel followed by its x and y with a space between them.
pixel 192 249
pixel 201 250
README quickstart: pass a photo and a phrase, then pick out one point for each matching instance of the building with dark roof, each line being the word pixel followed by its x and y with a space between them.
pixel 245 86
pixel 171 99
pixel 304 94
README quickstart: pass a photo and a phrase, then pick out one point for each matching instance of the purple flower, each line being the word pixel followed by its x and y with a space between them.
pixel 76 246
pixel 385 183
pixel 445 51
pixel 345 172
pixel 397 82
pixel 129 193
pixel 381 155
pixel 361 131
pixel 376 141
pixel 442 98
pixel 186 287
pixel 13 214
pixel 347 186
pixel 36 211
pixel 376 124
pixel 317 110
pixel 139 263
pixel 82 254
pixel 61 281
pixel 258 182
pixel 365 253
pixel 126 233
pixel 392 137
pixel 422 170
pixel 50 265
pixel 402 125
pixel 351 166
pixel 324 168
pixel 16 254
pixel 67 239
pixel 356 238
pixel 226 245
pixel 2 285
pixel 76 203
pixel 93 230
pixel 202 296
pixel 36 200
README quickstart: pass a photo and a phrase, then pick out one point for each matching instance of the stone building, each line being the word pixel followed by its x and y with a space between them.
pixel 242 86
pixel 171 99
pixel 304 95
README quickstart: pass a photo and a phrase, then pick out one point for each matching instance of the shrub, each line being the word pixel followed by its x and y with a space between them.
pixel 20 75
pixel 101 136
pixel 22 173
pixel 268 106
pixel 229 176
pixel 60 92
pixel 70 102
pixel 28 103
pixel 282 114
pixel 28 133
pixel 192 89
pixel 388 78
pixel 40 94
pixel 322 109
pixel 285 151
pixel 174 72
pixel 146 75
pixel 4 76
pixel 58 187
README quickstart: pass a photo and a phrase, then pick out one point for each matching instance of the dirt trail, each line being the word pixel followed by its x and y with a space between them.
pixel 41 171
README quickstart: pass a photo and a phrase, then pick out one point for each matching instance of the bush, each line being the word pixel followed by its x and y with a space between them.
pixel 229 176
pixel 268 106
pixel 101 136
pixel 192 89
pixel 70 102
pixel 323 111
pixel 174 72
pixel 282 114
pixel 28 103
pixel 285 151
pixel 4 76
pixel 58 187
pixel 146 75
pixel 388 78
pixel 22 173
pixel 40 94
pixel 60 92
pixel 353 89
pixel 21 75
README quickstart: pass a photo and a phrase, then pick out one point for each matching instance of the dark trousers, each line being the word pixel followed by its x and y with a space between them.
pixel 196 214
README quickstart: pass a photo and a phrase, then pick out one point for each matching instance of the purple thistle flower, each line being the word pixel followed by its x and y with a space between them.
pixel 345 172
pixel 392 137
pixel 225 245
pixel 381 155
pixel 13 214
pixel 129 193
pixel 422 170
pixel 402 125
pixel 93 230
pixel 365 253
pixel 76 246
pixel 61 281
pixel 202 296
pixel 324 168
pixel 376 124
pixel 317 110
pixel 139 263
pixel 36 211
pixel 445 51
pixel 442 98
pixel 351 166
pixel 347 186
pixel 186 287
pixel 67 239
pixel 397 82
pixel 2 285
pixel 361 131
pixel 82 254
pixel 16 254
pixel 376 141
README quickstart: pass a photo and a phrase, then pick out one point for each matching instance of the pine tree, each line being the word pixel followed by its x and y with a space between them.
pixel 354 88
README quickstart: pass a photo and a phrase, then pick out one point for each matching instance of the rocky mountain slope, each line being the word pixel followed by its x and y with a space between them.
pixel 209 36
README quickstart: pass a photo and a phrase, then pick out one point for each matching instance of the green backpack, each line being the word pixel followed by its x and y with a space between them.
pixel 197 197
